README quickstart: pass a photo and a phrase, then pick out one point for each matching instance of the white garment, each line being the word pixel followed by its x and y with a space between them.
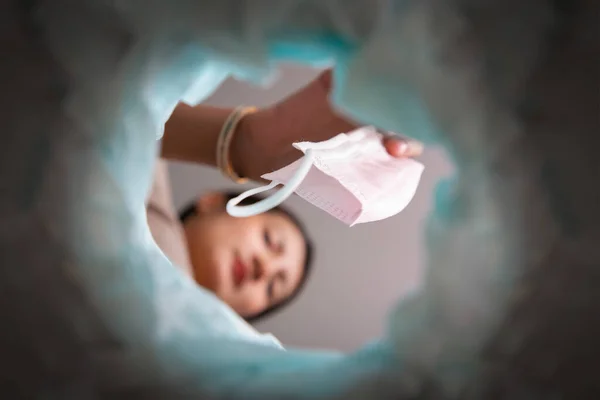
pixel 163 220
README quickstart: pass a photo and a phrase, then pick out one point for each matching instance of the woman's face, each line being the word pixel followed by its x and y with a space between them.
pixel 250 263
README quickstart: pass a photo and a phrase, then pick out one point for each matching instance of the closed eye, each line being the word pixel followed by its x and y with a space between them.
pixel 271 244
pixel 268 239
pixel 278 278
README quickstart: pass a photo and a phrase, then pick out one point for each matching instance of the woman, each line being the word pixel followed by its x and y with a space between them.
pixel 222 252
pixel 256 265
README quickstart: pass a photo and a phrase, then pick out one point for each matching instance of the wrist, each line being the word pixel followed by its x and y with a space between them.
pixel 245 155
pixel 191 133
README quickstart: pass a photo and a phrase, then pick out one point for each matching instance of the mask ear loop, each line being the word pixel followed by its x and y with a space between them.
pixel 277 198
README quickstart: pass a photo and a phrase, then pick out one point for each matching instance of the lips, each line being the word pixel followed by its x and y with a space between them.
pixel 239 271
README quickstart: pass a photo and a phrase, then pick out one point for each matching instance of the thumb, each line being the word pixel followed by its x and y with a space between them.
pixel 399 147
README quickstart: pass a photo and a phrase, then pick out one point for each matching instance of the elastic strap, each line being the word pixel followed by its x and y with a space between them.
pixel 274 200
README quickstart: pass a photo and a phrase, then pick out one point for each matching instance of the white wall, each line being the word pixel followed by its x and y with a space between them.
pixel 359 272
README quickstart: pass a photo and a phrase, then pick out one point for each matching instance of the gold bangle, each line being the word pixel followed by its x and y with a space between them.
pixel 224 142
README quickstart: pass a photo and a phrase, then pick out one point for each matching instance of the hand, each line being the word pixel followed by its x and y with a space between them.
pixel 264 139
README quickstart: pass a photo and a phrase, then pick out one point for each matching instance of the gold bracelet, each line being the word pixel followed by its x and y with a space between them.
pixel 224 142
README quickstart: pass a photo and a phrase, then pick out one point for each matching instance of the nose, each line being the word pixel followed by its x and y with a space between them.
pixel 263 266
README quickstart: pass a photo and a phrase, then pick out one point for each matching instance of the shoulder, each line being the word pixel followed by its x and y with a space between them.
pixel 163 220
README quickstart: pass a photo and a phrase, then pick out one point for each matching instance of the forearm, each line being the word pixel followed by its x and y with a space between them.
pixel 191 133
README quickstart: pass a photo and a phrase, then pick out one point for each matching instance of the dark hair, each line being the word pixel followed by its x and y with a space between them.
pixel 190 211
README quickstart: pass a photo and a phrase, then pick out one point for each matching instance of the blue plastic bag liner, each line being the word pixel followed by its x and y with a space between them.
pixel 92 309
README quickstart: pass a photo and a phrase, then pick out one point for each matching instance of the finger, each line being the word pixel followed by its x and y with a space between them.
pixel 398 147
pixel 325 79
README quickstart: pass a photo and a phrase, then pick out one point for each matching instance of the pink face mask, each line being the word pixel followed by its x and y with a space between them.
pixel 351 176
